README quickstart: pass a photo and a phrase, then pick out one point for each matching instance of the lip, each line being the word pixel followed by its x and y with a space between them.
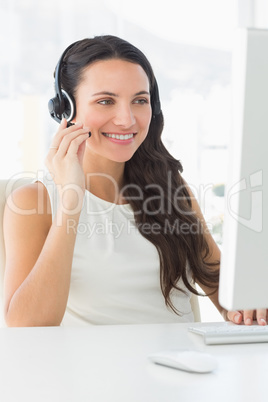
pixel 120 138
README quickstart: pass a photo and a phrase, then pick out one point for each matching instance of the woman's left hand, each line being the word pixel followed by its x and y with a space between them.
pixel 248 316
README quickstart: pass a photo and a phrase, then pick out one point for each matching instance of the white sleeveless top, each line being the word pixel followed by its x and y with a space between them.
pixel 115 276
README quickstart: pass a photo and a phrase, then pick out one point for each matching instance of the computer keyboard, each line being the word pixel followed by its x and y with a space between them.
pixel 227 332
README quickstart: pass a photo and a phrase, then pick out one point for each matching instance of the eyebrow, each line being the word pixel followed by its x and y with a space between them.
pixel 113 94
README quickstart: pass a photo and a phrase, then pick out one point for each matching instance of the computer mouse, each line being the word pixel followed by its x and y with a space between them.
pixel 187 360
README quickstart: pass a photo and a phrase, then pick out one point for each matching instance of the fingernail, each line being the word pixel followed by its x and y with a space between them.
pixel 237 318
pixel 248 321
pixel 263 322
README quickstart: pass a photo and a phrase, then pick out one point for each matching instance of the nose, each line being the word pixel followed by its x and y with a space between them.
pixel 124 116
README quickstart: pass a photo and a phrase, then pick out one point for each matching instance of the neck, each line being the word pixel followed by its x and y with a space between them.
pixel 104 178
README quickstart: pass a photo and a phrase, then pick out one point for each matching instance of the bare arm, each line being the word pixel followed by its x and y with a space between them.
pixel 246 316
pixel 39 252
pixel 38 262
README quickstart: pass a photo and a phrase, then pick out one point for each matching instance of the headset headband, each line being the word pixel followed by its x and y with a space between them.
pixel 62 105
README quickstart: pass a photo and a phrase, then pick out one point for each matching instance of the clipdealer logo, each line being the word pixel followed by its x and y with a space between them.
pixel 248 191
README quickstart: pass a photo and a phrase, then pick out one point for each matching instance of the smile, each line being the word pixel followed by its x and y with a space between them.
pixel 122 137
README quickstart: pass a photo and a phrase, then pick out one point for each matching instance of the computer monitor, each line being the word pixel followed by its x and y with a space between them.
pixel 244 267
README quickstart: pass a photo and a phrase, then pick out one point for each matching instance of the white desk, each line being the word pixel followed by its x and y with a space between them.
pixel 110 364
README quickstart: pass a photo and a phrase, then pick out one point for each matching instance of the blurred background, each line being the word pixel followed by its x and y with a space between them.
pixel 189 44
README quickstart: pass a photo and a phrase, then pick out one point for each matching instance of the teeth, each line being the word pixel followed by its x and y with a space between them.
pixel 119 136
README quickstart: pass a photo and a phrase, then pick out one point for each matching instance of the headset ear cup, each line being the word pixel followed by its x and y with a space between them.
pixel 54 107
pixel 69 106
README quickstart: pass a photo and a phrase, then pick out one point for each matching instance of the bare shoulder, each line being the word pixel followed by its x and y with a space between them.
pixel 31 200
pixel 27 214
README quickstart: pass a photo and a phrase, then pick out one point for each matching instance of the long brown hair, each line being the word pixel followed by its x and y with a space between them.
pixel 171 224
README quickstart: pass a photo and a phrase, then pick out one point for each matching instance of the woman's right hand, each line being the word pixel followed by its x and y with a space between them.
pixel 65 161
pixel 39 252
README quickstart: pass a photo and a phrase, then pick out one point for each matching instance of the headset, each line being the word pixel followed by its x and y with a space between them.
pixel 63 104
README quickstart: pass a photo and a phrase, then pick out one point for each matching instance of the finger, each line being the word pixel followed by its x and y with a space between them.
pixel 77 145
pixel 248 317
pixel 235 316
pixel 63 122
pixel 70 140
pixel 63 131
pixel 56 140
pixel 62 126
pixel 261 316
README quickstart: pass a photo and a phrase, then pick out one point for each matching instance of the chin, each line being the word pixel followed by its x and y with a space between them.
pixel 121 158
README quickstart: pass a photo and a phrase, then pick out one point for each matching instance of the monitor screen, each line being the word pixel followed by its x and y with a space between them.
pixel 244 266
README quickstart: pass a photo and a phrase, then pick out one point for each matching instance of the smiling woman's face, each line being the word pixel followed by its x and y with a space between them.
pixel 113 100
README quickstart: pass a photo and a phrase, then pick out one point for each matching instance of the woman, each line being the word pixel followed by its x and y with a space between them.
pixel 120 237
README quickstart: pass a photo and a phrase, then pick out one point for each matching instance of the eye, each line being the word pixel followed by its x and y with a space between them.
pixel 141 101
pixel 105 102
